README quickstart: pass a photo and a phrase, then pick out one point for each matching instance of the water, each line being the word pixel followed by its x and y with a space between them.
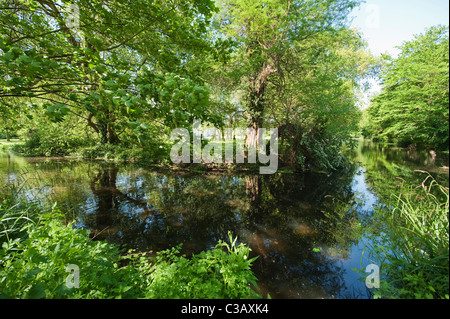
pixel 303 227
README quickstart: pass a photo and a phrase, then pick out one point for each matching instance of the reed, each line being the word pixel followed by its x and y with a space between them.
pixel 412 246
pixel 16 215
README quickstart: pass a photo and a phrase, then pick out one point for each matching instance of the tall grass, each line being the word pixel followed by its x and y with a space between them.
pixel 412 245
pixel 16 215
pixel 424 213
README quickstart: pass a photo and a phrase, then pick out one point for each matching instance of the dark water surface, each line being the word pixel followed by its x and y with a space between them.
pixel 303 227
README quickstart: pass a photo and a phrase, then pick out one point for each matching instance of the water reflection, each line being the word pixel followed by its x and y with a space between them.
pixel 281 217
pixel 303 227
pixel 387 168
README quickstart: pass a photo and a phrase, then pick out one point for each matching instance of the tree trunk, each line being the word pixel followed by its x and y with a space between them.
pixel 256 108
pixel 8 137
pixel 103 130
pixel 256 103
pixel 107 132
pixel 112 136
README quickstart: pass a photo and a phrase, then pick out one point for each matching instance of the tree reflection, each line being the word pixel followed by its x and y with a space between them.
pixel 282 217
pixel 387 167
pixel 300 225
pixel 289 217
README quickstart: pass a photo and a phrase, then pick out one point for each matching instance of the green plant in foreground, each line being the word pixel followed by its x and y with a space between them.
pixel 411 243
pixel 36 252
pixel 223 272
pixel 35 266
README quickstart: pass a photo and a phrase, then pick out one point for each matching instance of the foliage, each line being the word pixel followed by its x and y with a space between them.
pixel 14 218
pixel 37 248
pixel 118 74
pixel 36 266
pixel 50 140
pixel 412 108
pixel 129 82
pixel 285 81
pixel 215 273
pixel 411 243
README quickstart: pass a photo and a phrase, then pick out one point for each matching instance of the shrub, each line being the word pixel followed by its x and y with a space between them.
pixel 36 252
pixel 215 273
pixel 36 266
pixel 50 141
pixel 105 151
pixel 146 154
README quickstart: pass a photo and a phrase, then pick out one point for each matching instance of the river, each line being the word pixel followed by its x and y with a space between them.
pixel 303 227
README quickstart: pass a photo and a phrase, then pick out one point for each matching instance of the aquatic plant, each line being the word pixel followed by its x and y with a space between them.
pixel 410 243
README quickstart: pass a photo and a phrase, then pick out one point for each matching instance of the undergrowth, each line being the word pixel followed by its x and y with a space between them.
pixel 38 251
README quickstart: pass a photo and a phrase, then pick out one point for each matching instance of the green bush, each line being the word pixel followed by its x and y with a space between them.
pixel 104 151
pixel 15 218
pixel 125 152
pixel 36 266
pixel 11 135
pixel 37 249
pixel 321 154
pixel 216 273
pixel 50 141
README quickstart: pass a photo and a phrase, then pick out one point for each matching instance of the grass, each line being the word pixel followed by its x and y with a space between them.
pixel 411 243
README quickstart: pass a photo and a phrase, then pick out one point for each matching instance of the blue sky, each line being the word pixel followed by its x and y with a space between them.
pixel 386 24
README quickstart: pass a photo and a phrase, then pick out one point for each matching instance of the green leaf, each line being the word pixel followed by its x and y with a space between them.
pixel 37 291
pixel 33 272
pixel 111 83
pixel 100 69
pixel 89 108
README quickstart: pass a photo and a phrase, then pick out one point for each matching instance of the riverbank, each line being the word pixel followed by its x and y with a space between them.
pixel 42 257
pixel 410 242
pixel 147 158
pixel 292 221
pixel 158 157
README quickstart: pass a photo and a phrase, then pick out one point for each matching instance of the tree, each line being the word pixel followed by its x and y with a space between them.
pixel 297 67
pixel 413 107
pixel 109 68
pixel 268 31
pixel 316 104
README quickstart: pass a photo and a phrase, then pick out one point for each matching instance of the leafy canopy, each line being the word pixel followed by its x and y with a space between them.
pixel 112 68
pixel 413 107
